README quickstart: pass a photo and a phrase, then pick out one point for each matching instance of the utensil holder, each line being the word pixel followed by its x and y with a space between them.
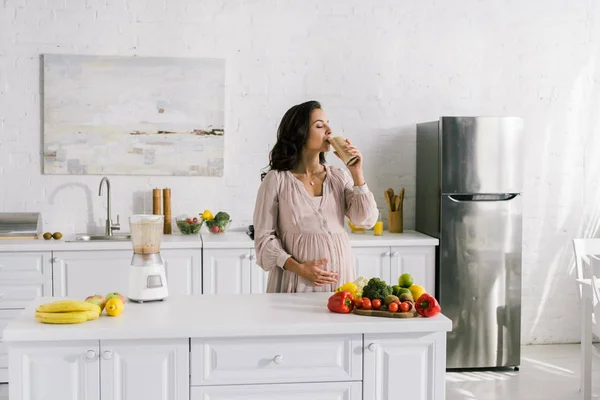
pixel 395 221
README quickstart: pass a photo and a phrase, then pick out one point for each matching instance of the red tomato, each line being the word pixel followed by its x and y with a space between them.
pixel 189 221
pixel 405 306
pixel 376 304
pixel 195 220
pixel 358 303
pixel 393 307
pixel 366 303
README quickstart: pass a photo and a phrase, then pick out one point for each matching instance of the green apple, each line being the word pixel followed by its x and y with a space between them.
pixel 115 295
pixel 97 299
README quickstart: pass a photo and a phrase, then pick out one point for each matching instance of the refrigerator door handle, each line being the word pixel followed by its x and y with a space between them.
pixel 482 197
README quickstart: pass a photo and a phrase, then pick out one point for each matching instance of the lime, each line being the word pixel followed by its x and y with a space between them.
pixel 405 280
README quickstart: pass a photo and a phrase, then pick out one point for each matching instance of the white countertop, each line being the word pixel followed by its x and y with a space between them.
pixel 366 239
pixel 231 239
pixel 204 316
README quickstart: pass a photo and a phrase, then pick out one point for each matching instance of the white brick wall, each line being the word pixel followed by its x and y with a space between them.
pixel 377 67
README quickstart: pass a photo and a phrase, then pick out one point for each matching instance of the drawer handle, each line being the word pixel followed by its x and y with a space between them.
pixel 278 359
pixel 107 354
pixel 387 253
pixel 372 347
pixel 395 254
pixel 91 355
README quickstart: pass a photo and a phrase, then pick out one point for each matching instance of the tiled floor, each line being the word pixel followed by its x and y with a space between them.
pixel 547 373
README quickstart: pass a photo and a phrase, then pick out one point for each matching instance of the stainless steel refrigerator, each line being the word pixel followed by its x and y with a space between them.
pixel 468 195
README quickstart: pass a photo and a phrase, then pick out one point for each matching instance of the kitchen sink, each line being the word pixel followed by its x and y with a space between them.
pixel 90 238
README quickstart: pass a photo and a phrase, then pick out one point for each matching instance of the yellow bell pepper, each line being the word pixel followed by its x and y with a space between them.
pixel 351 288
pixel 207 215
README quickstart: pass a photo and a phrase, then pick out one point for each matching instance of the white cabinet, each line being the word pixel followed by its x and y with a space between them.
pixel 413 365
pixel 106 370
pixel 417 261
pixel 259 278
pixel 184 271
pixel 63 371
pixel 83 273
pixel 372 262
pixel 79 274
pixel 388 263
pixel 304 391
pixel 149 370
pixel 227 271
pixel 23 277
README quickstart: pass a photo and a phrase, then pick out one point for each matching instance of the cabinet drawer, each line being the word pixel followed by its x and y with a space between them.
pixel 30 267
pixel 276 360
pixel 298 391
pixel 18 294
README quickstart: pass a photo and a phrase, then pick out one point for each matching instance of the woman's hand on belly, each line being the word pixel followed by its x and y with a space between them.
pixel 313 272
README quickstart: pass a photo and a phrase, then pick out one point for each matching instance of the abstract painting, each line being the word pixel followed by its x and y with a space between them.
pixel 114 115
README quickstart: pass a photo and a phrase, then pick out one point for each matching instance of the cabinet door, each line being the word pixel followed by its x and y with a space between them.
pixel 23 277
pixel 80 274
pixel 5 317
pixel 184 271
pixel 259 276
pixel 69 371
pixel 226 271
pixel 303 391
pixel 372 262
pixel 414 366
pixel 417 261
pixel 145 369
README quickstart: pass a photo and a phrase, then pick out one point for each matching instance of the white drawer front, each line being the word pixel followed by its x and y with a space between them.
pixel 5 317
pixel 276 360
pixel 18 295
pixel 29 267
pixel 298 391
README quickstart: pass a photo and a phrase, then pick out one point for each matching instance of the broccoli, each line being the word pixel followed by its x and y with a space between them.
pixel 376 289
pixel 222 217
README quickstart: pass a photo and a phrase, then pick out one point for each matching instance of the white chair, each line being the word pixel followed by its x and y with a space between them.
pixel 587 250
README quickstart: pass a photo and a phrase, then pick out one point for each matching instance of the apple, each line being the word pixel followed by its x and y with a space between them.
pixel 97 299
pixel 115 295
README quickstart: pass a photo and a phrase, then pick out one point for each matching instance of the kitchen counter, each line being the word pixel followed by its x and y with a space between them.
pixel 218 316
pixel 367 239
pixel 231 239
pixel 265 346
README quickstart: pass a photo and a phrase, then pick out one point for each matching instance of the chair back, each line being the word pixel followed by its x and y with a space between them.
pixel 586 250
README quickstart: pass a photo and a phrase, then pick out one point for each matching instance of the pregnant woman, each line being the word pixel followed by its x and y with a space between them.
pixel 300 207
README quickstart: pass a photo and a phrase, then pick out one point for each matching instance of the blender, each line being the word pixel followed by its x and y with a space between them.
pixel 147 278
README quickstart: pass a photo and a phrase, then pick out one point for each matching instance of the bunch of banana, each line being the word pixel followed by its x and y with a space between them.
pixel 67 312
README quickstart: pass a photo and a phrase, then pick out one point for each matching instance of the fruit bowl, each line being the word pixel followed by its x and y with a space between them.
pixel 189 226
pixel 217 227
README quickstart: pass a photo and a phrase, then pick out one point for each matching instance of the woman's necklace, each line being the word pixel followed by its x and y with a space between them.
pixel 312 181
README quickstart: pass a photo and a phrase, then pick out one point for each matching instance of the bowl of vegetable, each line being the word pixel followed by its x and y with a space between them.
pixel 219 223
pixel 187 225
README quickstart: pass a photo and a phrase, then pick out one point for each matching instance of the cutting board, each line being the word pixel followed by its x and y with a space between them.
pixel 383 313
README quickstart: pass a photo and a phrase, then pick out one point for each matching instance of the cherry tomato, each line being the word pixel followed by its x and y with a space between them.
pixel 376 304
pixel 393 307
pixel 358 303
pixel 405 306
pixel 189 221
pixel 195 220
pixel 366 303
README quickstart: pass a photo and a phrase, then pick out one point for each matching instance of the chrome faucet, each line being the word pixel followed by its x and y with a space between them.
pixel 110 227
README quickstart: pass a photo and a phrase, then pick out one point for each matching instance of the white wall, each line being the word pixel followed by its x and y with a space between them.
pixel 377 67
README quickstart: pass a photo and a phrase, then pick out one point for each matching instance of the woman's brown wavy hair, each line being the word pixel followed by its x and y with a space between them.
pixel 292 135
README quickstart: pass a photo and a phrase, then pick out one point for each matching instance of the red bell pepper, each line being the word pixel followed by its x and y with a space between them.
pixel 341 302
pixel 427 306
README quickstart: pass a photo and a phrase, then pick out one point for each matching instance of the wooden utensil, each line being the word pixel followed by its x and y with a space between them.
pixel 386 195
pixel 390 193
pixel 397 202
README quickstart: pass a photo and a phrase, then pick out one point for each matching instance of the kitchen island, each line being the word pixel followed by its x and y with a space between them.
pixel 221 347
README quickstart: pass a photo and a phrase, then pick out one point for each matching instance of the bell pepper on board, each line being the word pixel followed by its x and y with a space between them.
pixel 341 302
pixel 349 287
pixel 427 306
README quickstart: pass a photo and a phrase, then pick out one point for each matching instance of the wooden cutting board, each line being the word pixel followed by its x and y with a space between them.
pixel 383 313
